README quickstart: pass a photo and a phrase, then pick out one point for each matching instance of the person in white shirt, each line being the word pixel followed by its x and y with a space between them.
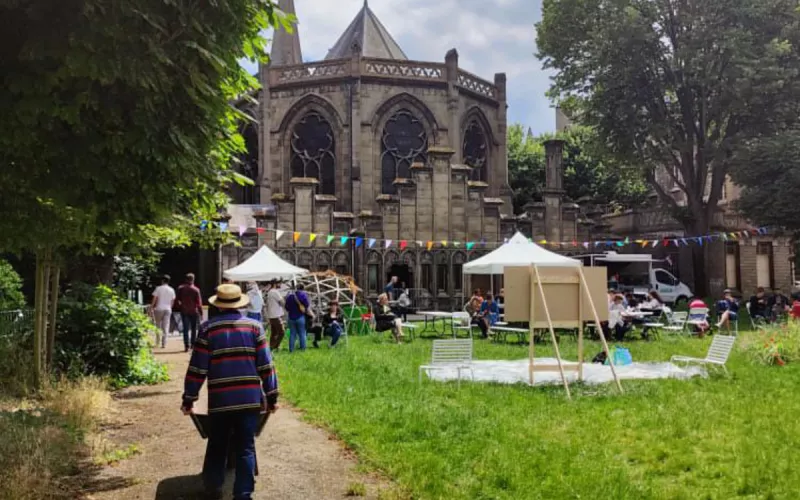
pixel 256 301
pixel 616 323
pixel 275 313
pixel 163 300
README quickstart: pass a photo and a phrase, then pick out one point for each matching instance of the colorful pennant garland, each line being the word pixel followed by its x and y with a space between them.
pixel 358 241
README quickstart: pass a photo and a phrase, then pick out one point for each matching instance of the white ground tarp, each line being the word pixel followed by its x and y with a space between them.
pixel 264 265
pixel 516 372
pixel 517 252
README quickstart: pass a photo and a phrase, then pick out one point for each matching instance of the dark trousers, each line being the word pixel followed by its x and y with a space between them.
pixel 483 324
pixel 276 333
pixel 189 322
pixel 236 429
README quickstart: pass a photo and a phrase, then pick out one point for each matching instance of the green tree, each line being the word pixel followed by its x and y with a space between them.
pixel 116 122
pixel 776 158
pixel 11 297
pixel 675 87
pixel 588 172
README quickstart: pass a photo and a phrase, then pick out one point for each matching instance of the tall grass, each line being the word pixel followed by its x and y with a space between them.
pixel 715 438
pixel 41 440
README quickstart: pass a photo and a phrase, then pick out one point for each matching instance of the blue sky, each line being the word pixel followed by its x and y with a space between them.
pixel 491 37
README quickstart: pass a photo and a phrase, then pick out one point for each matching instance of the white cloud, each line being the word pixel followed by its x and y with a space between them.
pixel 491 37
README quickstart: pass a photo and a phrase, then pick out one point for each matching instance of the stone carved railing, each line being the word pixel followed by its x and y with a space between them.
pixel 390 69
pixel 474 84
pixel 309 72
pixel 404 69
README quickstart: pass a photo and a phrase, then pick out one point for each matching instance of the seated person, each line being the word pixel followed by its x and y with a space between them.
pixel 778 305
pixel 699 321
pixel 385 319
pixel 474 304
pixel 759 305
pixel 653 304
pixel 332 324
pixel 616 323
pixel 727 309
pixel 630 300
pixel 487 315
pixel 313 326
pixel 794 312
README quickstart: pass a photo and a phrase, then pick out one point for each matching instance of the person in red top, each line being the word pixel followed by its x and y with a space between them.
pixel 190 304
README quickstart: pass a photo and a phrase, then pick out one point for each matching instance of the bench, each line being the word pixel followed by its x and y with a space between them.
pixel 450 353
pixel 502 332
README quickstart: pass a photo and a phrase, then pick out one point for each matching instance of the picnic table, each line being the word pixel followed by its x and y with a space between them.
pixel 502 331
pixel 433 316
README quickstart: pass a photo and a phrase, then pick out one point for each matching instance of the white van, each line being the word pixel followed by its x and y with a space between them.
pixel 635 273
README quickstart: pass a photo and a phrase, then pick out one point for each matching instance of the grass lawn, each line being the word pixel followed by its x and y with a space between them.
pixel 717 438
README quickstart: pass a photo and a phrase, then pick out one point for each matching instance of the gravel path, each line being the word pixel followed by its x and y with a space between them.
pixel 296 460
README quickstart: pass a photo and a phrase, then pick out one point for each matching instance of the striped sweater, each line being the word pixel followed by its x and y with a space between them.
pixel 233 353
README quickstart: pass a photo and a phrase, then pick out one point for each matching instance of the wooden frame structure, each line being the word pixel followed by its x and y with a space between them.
pixel 557 297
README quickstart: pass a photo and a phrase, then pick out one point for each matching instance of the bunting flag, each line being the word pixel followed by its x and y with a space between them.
pixel 676 241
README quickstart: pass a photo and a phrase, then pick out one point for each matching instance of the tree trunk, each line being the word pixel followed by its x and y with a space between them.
pixel 55 276
pixel 699 228
pixel 38 321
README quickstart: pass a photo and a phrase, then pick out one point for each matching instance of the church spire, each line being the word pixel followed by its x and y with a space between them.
pixel 368 33
pixel 285 45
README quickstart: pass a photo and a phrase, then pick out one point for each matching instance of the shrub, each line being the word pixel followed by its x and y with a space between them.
pixel 775 345
pixel 10 288
pixel 102 333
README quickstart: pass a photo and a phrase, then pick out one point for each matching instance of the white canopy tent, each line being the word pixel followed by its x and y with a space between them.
pixel 264 265
pixel 518 251
pixel 521 255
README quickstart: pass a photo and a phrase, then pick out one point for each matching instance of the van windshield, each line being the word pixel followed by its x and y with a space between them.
pixel 628 274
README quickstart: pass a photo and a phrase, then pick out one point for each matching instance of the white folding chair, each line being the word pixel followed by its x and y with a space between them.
pixel 676 322
pixel 718 353
pixel 450 354
pixel 461 322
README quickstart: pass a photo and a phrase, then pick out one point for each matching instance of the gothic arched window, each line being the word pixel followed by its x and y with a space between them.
pixel 404 142
pixel 474 150
pixel 314 151
pixel 248 167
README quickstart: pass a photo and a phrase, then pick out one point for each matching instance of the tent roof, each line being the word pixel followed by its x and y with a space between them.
pixel 517 252
pixel 264 265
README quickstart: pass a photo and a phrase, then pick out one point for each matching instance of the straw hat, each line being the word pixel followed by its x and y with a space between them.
pixel 229 297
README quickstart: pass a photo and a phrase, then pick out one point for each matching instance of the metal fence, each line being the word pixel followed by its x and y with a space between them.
pixel 16 323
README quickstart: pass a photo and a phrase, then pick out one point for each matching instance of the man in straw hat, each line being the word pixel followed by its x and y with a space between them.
pixel 232 352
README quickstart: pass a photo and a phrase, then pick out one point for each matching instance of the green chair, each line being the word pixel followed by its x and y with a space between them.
pixel 355 324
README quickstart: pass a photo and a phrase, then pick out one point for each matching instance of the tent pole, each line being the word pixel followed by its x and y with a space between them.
pixel 531 346
pixel 580 333
pixel 599 329
pixel 552 330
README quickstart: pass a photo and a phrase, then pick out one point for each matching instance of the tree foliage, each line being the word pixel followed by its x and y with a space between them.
pixel 676 87
pixel 115 119
pixel 588 172
pixel 768 173
pixel 11 296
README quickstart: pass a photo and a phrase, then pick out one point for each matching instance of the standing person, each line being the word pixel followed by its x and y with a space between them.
pixel 232 352
pixel 190 304
pixel 163 300
pixel 389 289
pixel 256 301
pixel 275 313
pixel 297 305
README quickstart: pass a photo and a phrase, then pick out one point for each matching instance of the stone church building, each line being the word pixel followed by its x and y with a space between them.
pixel 367 143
